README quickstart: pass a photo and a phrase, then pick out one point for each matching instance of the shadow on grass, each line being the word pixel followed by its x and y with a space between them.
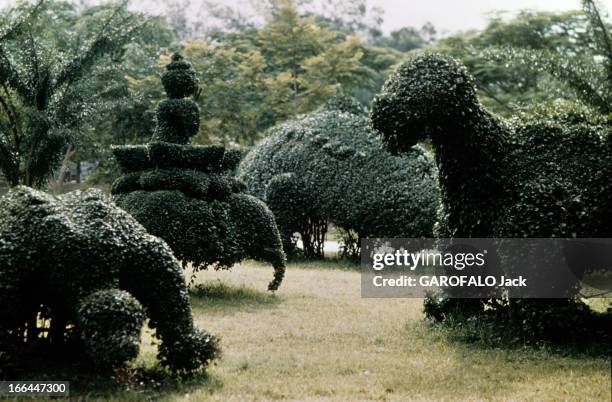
pixel 125 384
pixel 217 296
pixel 476 335
pixel 343 264
pixel 498 370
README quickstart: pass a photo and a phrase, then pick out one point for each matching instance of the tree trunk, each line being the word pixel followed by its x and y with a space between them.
pixel 78 171
pixel 56 183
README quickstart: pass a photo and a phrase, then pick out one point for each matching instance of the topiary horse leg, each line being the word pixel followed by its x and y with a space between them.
pixel 258 234
pixel 109 322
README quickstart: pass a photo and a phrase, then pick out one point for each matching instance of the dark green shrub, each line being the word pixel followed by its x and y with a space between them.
pixel 92 271
pixel 329 166
pixel 187 195
pixel 542 174
pixel 132 157
pixel 345 103
pixel 110 321
pixel 177 120
pixel 204 158
pixel 179 79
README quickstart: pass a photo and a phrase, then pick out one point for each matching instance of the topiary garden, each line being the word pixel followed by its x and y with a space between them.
pixel 78 277
pixel 329 166
pixel 187 195
pixel 542 174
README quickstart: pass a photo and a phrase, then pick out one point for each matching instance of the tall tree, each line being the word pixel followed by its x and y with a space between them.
pixel 540 56
pixel 233 100
pixel 41 98
pixel 308 62
pixel 584 69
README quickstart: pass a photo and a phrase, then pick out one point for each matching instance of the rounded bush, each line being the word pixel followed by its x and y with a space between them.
pixel 329 166
pixel 179 79
pixel 187 195
pixel 177 120
pixel 110 322
pixel 89 269
pixel 344 103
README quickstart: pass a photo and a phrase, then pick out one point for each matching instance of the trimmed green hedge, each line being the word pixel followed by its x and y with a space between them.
pixel 209 232
pixel 542 174
pixel 187 195
pixel 192 183
pixel 330 166
pixel 110 323
pixel 164 155
pixel 177 120
pixel 179 79
pixel 93 271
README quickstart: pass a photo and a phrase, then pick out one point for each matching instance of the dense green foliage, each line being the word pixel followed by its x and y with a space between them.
pixel 78 275
pixel 177 119
pixel 539 56
pixel 584 70
pixel 328 166
pixel 187 195
pixel 110 322
pixel 542 175
pixel 44 103
pixel 256 75
pixel 204 158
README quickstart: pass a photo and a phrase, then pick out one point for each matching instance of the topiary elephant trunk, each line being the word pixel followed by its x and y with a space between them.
pixel 187 195
pixel 95 273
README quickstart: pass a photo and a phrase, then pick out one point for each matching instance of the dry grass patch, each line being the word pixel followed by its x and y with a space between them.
pixel 316 339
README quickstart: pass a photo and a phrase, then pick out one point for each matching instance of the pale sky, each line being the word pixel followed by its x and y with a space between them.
pixel 446 15
pixel 461 15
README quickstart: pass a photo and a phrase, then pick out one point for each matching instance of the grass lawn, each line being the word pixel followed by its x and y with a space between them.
pixel 317 339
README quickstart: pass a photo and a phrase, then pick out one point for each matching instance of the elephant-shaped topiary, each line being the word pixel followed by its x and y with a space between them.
pixel 329 165
pixel 542 174
pixel 93 272
pixel 186 194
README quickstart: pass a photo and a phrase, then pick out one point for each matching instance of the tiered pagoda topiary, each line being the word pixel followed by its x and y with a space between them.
pixel 187 195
